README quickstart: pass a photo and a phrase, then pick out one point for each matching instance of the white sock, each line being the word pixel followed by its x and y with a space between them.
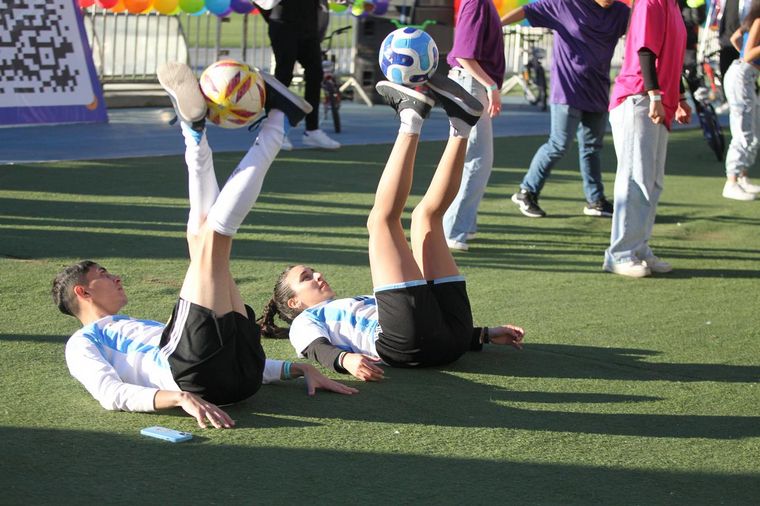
pixel 202 187
pixel 458 128
pixel 244 184
pixel 411 122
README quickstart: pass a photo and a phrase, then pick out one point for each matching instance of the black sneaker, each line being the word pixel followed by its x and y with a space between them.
pixel 455 100
pixel 281 98
pixel 528 203
pixel 400 97
pixel 185 93
pixel 599 208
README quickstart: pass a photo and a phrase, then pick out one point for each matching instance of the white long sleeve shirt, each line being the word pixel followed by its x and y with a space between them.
pixel 119 361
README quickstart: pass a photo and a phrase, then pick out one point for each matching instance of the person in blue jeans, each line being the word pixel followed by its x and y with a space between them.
pixel 585 35
pixel 477 64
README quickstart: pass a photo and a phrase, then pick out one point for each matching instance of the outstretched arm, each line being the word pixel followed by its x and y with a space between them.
pixel 360 366
pixel 316 380
pixel 513 16
pixel 507 334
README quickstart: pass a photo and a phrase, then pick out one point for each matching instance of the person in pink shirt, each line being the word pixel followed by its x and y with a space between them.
pixel 647 97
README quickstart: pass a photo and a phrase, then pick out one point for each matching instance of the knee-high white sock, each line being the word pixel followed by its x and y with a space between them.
pixel 244 184
pixel 202 187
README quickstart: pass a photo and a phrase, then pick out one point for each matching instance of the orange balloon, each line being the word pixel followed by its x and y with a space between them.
pixel 118 7
pixel 136 6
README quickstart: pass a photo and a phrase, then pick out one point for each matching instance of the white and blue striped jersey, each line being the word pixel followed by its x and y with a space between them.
pixel 349 324
pixel 119 361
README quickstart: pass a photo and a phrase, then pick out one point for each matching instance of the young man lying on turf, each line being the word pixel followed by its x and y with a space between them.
pixel 419 314
pixel 210 351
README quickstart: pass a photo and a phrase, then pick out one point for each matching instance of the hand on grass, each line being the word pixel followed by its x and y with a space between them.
pixel 363 367
pixel 507 334
pixel 204 411
pixel 316 380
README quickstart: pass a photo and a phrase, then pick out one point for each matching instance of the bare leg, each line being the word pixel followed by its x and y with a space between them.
pixel 429 247
pixel 390 259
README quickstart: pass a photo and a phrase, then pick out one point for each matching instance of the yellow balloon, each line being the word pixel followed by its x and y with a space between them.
pixel 166 7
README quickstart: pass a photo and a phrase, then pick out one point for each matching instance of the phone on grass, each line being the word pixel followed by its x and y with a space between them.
pixel 171 435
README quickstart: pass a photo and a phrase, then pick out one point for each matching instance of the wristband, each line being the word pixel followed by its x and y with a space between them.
pixel 484 337
pixel 286 370
pixel 655 98
pixel 493 87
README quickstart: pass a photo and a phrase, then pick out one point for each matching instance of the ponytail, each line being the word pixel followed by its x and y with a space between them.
pixel 266 322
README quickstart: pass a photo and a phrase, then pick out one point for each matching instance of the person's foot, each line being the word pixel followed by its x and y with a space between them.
pixel 457 245
pixel 400 97
pixel 528 203
pixel 601 207
pixel 747 186
pixel 632 269
pixel 319 139
pixel 735 192
pixel 286 144
pixel 458 104
pixel 281 98
pixel 657 265
pixel 183 89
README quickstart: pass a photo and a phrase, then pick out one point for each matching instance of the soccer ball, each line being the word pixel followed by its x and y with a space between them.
pixel 408 56
pixel 235 94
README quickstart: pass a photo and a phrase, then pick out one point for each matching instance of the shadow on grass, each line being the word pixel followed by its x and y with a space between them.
pixel 70 466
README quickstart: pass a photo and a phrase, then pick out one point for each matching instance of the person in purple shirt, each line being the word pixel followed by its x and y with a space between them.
pixel 585 35
pixel 477 64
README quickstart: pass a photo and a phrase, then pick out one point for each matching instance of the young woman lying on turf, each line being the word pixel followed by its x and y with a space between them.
pixel 419 314
pixel 210 351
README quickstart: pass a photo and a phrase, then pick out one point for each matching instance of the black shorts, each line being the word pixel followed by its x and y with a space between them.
pixel 426 324
pixel 219 358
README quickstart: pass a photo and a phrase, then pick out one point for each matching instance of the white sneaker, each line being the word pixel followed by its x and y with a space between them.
pixel 657 265
pixel 736 192
pixel 457 245
pixel 633 269
pixel 286 144
pixel 747 186
pixel 470 236
pixel 318 139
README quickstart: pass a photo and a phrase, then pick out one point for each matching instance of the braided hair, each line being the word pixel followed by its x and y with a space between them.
pixel 278 306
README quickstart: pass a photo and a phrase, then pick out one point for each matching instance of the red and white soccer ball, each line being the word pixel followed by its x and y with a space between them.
pixel 235 93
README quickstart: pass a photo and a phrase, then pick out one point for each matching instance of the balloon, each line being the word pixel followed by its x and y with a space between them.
pixel 106 4
pixel 119 7
pixel 337 7
pixel 86 3
pixel 203 10
pixel 217 6
pixel 136 6
pixel 381 7
pixel 191 6
pixel 226 12
pixel 165 7
pixel 241 6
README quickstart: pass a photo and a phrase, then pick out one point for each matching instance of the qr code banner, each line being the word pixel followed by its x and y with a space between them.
pixel 46 69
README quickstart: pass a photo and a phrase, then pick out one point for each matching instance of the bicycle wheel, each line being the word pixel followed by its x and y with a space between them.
pixel 711 130
pixel 332 102
pixel 530 90
pixel 541 85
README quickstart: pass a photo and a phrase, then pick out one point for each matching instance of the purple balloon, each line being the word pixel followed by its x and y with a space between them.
pixel 381 7
pixel 241 6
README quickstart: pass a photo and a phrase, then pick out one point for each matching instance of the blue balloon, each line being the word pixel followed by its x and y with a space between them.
pixel 218 7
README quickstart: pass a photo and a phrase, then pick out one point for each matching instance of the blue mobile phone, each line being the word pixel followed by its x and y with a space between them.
pixel 170 435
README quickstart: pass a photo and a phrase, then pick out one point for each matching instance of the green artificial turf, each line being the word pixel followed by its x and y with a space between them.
pixel 628 391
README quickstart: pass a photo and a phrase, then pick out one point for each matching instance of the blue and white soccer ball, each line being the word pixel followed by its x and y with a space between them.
pixel 408 56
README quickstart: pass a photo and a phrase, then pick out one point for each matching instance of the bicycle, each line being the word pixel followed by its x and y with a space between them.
pixel 532 75
pixel 708 118
pixel 330 87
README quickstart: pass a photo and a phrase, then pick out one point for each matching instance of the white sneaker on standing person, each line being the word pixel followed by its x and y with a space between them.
pixel 319 139
pixel 286 144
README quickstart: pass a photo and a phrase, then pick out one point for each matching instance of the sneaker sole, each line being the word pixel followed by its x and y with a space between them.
pixel 611 270
pixel 524 208
pixel 405 91
pixel 597 213
pixel 283 90
pixel 448 88
pixel 183 89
